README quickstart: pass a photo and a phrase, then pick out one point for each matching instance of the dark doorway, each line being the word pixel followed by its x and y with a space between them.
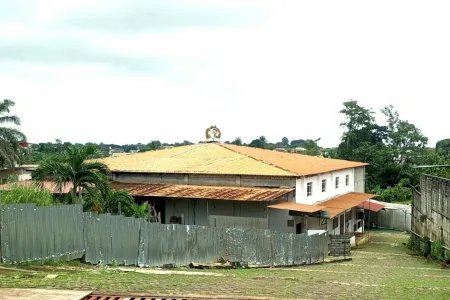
pixel 159 203
pixel 298 228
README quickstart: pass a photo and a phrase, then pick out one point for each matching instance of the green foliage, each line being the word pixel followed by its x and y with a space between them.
pixel 237 141
pixel 437 252
pixel 71 166
pixel 28 194
pixel 443 148
pixel 416 244
pixel 390 150
pixel 107 200
pixel 311 147
pixel 401 192
pixel 10 153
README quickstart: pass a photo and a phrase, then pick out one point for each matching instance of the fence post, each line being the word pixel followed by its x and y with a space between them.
pixel 119 208
pixel 1 225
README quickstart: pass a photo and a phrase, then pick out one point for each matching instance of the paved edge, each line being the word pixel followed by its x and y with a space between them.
pixel 31 294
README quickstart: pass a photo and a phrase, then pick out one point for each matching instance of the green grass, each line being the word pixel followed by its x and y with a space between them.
pixel 383 269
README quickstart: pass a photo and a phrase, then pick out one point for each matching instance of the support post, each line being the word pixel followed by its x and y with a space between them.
pixel 159 217
pixel 345 226
pixel 182 218
pixel 119 208
pixel 207 212
pixel 305 217
pixel 150 213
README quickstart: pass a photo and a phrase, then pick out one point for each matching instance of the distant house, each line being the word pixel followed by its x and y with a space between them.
pixel 22 172
pixel 212 183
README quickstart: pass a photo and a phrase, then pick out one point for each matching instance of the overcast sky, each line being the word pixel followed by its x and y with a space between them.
pixel 119 71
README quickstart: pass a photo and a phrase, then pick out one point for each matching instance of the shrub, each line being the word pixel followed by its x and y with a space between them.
pixel 28 194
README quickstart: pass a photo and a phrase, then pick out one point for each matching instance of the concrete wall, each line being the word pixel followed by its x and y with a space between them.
pixel 196 211
pixel 360 179
pixel 198 179
pixel 330 192
pixel 431 209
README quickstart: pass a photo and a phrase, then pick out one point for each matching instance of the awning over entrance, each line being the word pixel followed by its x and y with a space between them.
pixel 372 206
pixel 344 202
pixel 202 191
pixel 305 208
pixel 330 208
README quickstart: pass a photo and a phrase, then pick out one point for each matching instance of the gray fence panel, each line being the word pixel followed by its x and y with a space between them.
pixel 41 233
pixel 64 232
pixel 124 240
pixel 282 248
pixel 315 252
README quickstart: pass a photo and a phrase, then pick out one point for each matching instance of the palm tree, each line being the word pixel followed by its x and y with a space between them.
pixel 263 141
pixel 9 137
pixel 237 141
pixel 72 167
pixel 108 201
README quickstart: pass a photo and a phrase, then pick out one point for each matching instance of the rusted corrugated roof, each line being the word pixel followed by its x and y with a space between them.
pixel 369 205
pixel 225 159
pixel 202 192
pixel 344 202
pixel 298 207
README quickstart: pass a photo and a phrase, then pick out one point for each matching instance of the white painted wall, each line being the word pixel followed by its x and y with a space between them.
pixel 330 192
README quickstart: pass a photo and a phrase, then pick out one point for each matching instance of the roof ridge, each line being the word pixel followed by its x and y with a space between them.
pixel 259 160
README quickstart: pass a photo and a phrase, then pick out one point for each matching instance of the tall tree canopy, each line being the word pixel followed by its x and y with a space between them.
pixel 9 137
pixel 71 167
pixel 390 150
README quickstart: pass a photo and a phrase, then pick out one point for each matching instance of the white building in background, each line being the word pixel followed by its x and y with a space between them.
pixel 216 184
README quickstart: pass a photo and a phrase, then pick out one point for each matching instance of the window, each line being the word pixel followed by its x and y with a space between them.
pixel 347 180
pixel 336 185
pixel 324 185
pixel 309 189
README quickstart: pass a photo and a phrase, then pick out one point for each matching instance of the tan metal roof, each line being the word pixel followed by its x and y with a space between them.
pixel 225 159
pixel 298 207
pixel 344 202
pixel 333 206
pixel 298 164
pixel 202 192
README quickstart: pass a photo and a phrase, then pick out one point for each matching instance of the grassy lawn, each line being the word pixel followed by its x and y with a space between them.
pixel 380 270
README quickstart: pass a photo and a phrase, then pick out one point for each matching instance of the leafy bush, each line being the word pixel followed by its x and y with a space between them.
pixel 28 194
pixel 398 193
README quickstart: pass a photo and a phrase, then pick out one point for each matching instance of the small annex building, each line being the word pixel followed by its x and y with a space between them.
pixel 214 184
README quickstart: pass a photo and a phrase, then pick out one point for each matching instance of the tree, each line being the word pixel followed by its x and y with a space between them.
pixel 443 148
pixel 263 141
pixel 72 167
pixel 9 137
pixel 297 143
pixel 390 150
pixel 237 141
pixel 256 144
pixel 311 147
pixel 107 201
pixel 285 141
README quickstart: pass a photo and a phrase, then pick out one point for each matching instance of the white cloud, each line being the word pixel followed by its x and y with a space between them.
pixel 284 75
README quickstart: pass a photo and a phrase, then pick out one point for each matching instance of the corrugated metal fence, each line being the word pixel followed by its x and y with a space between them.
pixel 65 232
pixel 34 233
